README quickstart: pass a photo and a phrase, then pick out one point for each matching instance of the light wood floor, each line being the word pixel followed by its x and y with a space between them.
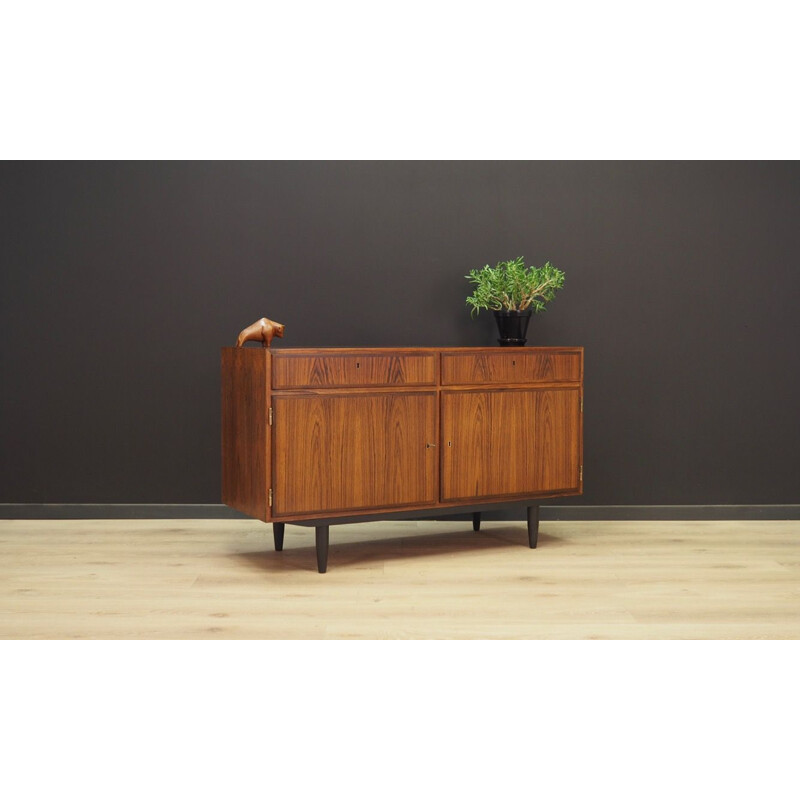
pixel 206 579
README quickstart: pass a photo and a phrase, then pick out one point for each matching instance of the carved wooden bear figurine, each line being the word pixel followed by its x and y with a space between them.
pixel 261 331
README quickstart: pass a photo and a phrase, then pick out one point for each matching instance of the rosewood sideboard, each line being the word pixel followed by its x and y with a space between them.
pixel 319 436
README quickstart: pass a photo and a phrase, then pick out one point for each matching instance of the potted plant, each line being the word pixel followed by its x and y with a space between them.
pixel 513 291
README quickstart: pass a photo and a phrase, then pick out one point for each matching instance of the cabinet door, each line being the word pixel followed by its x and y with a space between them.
pixel 510 442
pixel 338 452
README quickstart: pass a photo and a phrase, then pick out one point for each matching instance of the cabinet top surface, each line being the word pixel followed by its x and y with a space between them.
pixel 300 351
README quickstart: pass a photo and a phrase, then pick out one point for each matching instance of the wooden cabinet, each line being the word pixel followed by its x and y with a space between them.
pixel 326 435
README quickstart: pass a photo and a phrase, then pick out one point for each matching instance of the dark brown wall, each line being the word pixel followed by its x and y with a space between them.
pixel 120 282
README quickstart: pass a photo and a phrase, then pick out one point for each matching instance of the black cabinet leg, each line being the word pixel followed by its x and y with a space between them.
pixel 277 531
pixel 533 525
pixel 476 520
pixel 322 547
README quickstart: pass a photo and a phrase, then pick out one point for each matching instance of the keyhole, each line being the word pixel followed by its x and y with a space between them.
pixel 358 365
pixel 513 363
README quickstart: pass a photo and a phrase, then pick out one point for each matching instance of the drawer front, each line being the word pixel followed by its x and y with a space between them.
pixel 302 372
pixel 516 367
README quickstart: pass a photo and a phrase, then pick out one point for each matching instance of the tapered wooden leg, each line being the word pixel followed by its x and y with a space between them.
pixel 322 547
pixel 277 531
pixel 533 525
pixel 476 520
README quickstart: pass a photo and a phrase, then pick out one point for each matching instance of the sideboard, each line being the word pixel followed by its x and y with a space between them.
pixel 325 435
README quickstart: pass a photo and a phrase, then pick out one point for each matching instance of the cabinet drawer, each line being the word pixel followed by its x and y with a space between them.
pixel 513 367
pixel 298 372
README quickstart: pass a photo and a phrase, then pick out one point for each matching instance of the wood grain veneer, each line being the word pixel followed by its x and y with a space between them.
pixel 245 443
pixel 512 365
pixel 359 451
pixel 359 369
pixel 509 442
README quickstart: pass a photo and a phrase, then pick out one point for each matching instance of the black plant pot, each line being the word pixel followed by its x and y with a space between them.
pixel 513 327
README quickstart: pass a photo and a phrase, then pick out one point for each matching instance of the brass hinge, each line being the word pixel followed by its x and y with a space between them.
pixel 580 475
pixel 581 404
pixel 270 415
pixel 270 498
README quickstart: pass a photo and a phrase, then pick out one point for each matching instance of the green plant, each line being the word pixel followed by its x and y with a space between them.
pixel 512 286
